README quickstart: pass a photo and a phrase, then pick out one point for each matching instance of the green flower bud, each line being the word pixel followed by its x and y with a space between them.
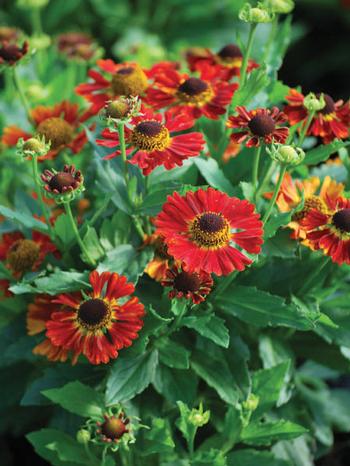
pixel 198 417
pixel 37 91
pixel 280 6
pixel 251 403
pixel 32 147
pixel 32 3
pixel 83 436
pixel 40 42
pixel 122 109
pixel 313 103
pixel 258 14
pixel 288 155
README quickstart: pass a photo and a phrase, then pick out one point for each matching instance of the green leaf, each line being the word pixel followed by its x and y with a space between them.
pixel 57 282
pixel 216 373
pixel 209 326
pixel 249 457
pixel 209 458
pixel 63 229
pixel 24 219
pixel 275 222
pixel 93 244
pixel 154 200
pixel 77 398
pixel 173 354
pixel 158 439
pixel 265 433
pixel 187 428
pixel 323 152
pixel 175 384
pixel 213 175
pixel 257 80
pixel 129 377
pixel 262 309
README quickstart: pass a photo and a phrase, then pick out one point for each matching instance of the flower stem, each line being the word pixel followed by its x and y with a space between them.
pixel 76 233
pixel 22 96
pixel 305 128
pixel 270 39
pixel 247 54
pixel 36 21
pixel 266 179
pixel 121 134
pixel 255 170
pixel 275 194
pixel 43 208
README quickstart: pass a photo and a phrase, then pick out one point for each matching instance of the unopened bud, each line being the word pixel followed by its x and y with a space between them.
pixel 198 417
pixel 251 402
pixel 32 147
pixel 258 14
pixel 118 108
pixel 288 155
pixel 280 6
pixel 314 103
pixel 83 436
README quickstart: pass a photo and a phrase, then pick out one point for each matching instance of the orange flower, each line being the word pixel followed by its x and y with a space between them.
pixel 157 267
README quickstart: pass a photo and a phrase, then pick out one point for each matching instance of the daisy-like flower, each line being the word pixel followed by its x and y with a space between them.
pixel 77 46
pixel 257 126
pixel 99 323
pixel 152 136
pixel 112 428
pixel 204 96
pixel 157 267
pixel 22 254
pixel 59 125
pixel 11 53
pixel 322 197
pixel 210 231
pixel 228 60
pixel 62 186
pixel 330 230
pixel 39 312
pixel 329 123
pixel 190 285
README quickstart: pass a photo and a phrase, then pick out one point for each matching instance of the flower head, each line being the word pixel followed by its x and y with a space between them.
pixel 280 6
pixel 33 147
pixel 210 231
pixel 99 323
pixel 78 46
pixel 153 140
pixel 257 14
pixel 11 53
pixel 122 109
pixel 159 264
pixel 190 285
pixel 260 125
pixel 65 185
pixel 113 428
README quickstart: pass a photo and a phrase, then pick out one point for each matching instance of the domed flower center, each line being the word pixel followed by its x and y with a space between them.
pixel 193 86
pixel 186 282
pixel 113 428
pixel 22 255
pixel 62 181
pixel 210 230
pixel 330 104
pixel 93 314
pixel 150 135
pixel 56 130
pixel 130 80
pixel 261 125
pixel 311 202
pixel 230 52
pixel 10 52
pixel 341 220
pixel 195 91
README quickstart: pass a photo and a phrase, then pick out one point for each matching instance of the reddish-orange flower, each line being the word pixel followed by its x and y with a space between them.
pixel 190 285
pixel 209 231
pixel 204 96
pixel 157 267
pixel 329 123
pixel 227 62
pixel 330 230
pixel 97 324
pixel 58 124
pixel 259 125
pixel 11 53
pixel 152 136
pixel 22 254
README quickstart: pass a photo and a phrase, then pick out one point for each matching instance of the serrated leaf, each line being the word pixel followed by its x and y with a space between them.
pixel 158 439
pixel 93 244
pixel 249 457
pixel 63 229
pixel 214 176
pixel 209 326
pixel 173 354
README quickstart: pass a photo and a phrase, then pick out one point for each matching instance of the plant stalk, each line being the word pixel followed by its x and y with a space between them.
pixel 275 194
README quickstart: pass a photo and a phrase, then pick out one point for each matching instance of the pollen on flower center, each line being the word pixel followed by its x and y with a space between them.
pixel 195 91
pixel 93 314
pixel 186 282
pixel 130 80
pixel 22 255
pixel 261 125
pixel 330 104
pixel 311 202
pixel 341 220
pixel 230 51
pixel 62 180
pixel 210 230
pixel 150 135
pixel 56 130
pixel 113 428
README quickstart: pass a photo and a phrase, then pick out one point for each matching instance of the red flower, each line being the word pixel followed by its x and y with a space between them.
pixel 204 229
pixel 260 125
pixel 207 95
pixel 100 324
pixel 330 230
pixel 189 285
pixel 152 136
pixel 76 45
pixel 329 123
pixel 227 62
pixel 59 124
pixel 157 267
pixel 23 255
pixel 11 53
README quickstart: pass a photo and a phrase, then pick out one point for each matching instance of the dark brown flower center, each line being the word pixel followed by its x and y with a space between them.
pixel 127 70
pixel 261 125
pixel 193 86
pixel 56 130
pixel 113 428
pixel 230 51
pixel 93 312
pixel 330 105
pixel 22 255
pixel 341 220
pixel 211 223
pixel 149 128
pixel 10 52
pixel 185 282
pixel 62 180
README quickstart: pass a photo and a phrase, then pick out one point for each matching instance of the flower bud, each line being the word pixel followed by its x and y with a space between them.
pixel 313 103
pixel 251 403
pixel 198 417
pixel 32 3
pixel 32 147
pixel 280 6
pixel 288 155
pixel 83 436
pixel 258 14
pixel 122 109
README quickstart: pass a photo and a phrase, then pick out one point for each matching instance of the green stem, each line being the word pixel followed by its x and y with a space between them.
pixel 247 54
pixel 275 193
pixel 76 233
pixel 71 77
pixel 43 208
pixel 121 134
pixel 36 21
pixel 255 170
pixel 305 128
pixel 266 179
pixel 18 85
pixel 223 285
pixel 270 39
pixel 97 214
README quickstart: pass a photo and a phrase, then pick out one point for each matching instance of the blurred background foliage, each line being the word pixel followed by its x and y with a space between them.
pixel 149 30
